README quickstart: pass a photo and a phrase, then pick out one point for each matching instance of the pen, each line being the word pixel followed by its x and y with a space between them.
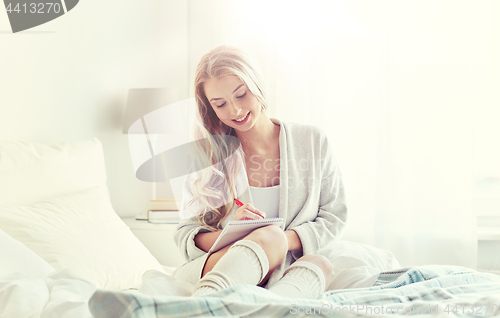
pixel 239 203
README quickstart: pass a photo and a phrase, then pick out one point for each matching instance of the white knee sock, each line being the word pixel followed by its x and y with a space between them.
pixel 301 280
pixel 244 263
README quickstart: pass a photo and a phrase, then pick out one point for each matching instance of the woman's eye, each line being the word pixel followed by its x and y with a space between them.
pixel 219 106
pixel 241 96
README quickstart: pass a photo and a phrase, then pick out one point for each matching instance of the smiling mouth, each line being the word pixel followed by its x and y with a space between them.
pixel 242 119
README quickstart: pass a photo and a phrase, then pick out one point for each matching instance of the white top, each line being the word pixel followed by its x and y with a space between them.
pixel 267 200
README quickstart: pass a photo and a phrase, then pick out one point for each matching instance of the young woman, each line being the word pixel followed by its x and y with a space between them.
pixel 289 172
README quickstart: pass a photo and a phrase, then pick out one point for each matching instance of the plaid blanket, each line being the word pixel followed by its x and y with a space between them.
pixel 426 291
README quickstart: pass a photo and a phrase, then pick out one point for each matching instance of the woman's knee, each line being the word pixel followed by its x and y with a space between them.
pixel 322 262
pixel 273 241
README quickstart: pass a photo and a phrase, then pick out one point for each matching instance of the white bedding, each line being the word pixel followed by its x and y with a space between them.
pixel 423 291
pixel 63 293
pixel 62 240
pixel 68 219
pixel 60 294
pixel 81 231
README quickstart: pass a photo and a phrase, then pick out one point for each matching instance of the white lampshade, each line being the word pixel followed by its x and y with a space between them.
pixel 147 104
pixel 156 122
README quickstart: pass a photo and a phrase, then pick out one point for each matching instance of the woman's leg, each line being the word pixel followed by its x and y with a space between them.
pixel 248 261
pixel 271 238
pixel 306 278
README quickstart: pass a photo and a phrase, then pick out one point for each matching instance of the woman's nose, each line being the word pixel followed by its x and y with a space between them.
pixel 235 109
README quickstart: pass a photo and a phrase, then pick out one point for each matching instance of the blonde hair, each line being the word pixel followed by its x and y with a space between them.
pixel 214 186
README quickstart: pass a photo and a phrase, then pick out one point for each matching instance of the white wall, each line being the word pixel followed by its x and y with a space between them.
pixel 68 79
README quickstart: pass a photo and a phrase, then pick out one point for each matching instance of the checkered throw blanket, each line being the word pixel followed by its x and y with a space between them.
pixel 425 291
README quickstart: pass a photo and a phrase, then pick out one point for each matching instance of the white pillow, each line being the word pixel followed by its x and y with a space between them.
pixel 81 231
pixel 31 172
pixel 17 258
pixel 357 265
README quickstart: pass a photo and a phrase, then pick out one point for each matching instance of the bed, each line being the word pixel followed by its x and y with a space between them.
pixel 66 253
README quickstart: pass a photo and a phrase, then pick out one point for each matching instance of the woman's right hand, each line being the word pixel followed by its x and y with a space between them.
pixel 248 212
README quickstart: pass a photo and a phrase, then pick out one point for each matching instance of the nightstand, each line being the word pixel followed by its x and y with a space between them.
pixel 158 239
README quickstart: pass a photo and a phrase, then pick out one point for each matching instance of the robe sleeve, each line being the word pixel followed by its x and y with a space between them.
pixel 331 216
pixel 188 228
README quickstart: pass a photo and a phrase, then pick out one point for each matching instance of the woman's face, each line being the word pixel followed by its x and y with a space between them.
pixel 233 102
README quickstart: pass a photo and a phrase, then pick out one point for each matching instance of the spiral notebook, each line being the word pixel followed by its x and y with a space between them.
pixel 235 230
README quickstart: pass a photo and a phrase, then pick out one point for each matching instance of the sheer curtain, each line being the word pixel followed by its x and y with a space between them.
pixel 395 84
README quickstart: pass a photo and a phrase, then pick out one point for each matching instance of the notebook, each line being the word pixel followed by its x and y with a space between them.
pixel 235 230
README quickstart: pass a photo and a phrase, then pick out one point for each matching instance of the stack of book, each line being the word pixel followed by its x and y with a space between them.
pixel 163 211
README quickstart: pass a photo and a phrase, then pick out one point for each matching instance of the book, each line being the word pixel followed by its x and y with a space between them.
pixel 143 216
pixel 165 205
pixel 235 230
pixel 163 216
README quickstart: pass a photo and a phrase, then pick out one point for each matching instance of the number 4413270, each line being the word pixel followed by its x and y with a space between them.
pixel 478 309
pixel 47 7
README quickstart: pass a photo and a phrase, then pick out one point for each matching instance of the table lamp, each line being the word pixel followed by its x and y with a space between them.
pixel 150 113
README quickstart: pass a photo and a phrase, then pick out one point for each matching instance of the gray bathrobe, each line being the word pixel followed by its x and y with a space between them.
pixel 312 201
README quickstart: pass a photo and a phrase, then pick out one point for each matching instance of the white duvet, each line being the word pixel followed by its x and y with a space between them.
pixel 63 294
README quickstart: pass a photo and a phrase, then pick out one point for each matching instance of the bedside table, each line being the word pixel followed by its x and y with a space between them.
pixel 158 239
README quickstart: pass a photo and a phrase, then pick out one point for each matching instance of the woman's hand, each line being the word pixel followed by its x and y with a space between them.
pixel 293 239
pixel 248 212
